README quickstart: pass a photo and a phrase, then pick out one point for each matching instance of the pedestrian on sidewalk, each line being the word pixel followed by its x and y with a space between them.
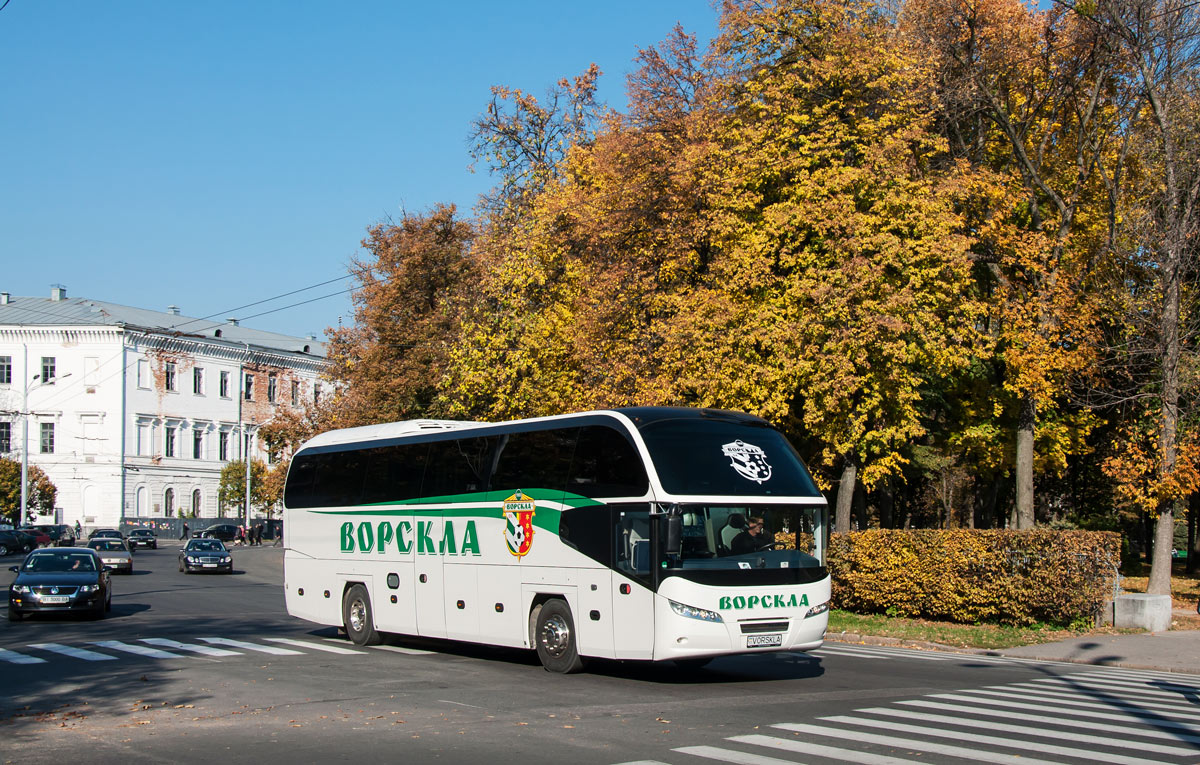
pixel 184 535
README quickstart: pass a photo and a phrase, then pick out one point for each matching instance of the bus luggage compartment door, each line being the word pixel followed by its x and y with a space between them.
pixel 430 583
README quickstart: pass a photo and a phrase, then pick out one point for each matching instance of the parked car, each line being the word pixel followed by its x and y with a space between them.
pixel 142 538
pixel 12 541
pixel 114 552
pixel 62 534
pixel 60 579
pixel 105 534
pixel 40 538
pixel 226 532
pixel 205 555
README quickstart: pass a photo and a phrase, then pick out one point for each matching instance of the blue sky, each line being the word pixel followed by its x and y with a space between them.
pixel 213 154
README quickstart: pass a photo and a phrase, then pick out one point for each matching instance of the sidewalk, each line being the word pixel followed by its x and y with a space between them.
pixel 1173 651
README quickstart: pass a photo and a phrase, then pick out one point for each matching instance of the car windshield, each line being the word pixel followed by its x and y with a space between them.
pixel 60 562
pixel 205 545
pixel 107 545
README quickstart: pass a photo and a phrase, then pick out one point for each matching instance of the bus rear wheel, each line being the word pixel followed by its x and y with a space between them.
pixel 358 618
pixel 554 638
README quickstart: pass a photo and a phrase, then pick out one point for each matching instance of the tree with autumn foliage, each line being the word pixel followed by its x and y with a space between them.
pixel 1023 94
pixel 411 289
pixel 40 494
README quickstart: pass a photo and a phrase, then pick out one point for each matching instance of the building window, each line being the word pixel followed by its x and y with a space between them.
pixel 169 502
pixel 198 381
pixel 198 444
pixel 196 502
pixel 142 377
pixel 295 393
pixel 169 441
pixel 47 438
pixel 5 370
pixel 48 370
pixel 249 387
pixel 171 376
pixel 223 446
pixel 144 439
pixel 5 437
pixel 224 385
pixel 272 388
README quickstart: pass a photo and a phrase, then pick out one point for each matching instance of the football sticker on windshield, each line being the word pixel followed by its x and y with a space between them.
pixel 748 460
pixel 518 531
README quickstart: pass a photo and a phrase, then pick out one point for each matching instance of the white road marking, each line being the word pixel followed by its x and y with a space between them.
pixel 314 646
pixel 205 650
pixel 19 658
pixel 74 653
pixel 251 646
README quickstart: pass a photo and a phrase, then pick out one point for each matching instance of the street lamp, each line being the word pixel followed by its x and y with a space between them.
pixel 23 518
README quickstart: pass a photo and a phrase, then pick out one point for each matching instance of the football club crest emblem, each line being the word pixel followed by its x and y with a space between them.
pixel 748 460
pixel 518 530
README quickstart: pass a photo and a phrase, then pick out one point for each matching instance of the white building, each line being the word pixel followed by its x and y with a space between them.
pixel 133 412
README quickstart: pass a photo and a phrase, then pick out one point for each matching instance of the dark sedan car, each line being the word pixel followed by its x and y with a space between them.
pixel 62 534
pixel 40 538
pixel 60 579
pixel 205 555
pixel 142 538
pixel 226 532
pixel 12 541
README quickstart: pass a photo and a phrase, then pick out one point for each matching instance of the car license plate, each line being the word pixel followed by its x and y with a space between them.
pixel 763 641
pixel 55 599
pixel 209 565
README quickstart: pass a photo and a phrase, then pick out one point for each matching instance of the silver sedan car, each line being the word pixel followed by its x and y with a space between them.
pixel 114 552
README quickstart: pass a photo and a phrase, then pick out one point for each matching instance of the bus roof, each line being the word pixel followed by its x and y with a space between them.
pixel 639 416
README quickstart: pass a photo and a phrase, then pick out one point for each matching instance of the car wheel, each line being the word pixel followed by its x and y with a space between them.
pixel 108 601
pixel 14 615
pixel 3 549
pixel 554 638
pixel 358 618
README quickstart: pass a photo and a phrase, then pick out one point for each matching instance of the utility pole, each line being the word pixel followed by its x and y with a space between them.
pixel 24 437
pixel 249 443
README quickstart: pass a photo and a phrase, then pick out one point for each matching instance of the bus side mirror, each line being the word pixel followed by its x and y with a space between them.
pixel 674 534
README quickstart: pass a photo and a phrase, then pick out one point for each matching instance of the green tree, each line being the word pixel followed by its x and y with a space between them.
pixel 231 492
pixel 40 495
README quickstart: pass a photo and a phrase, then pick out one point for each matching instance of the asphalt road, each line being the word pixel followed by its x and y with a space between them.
pixel 196 668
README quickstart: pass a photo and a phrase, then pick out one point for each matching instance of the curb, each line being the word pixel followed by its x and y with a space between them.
pixel 920 645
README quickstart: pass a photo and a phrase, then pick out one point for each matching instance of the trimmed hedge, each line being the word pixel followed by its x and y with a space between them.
pixel 972 576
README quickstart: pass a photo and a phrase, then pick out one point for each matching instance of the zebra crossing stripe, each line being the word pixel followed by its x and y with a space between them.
pixel 1058 709
pixel 74 653
pixel 138 650
pixel 1075 700
pixel 205 650
pixel 1008 714
pixel 314 646
pixel 915 744
pixel 13 657
pixel 1171 684
pixel 820 750
pixel 251 646
pixel 1089 687
pixel 1036 746
pixel 729 755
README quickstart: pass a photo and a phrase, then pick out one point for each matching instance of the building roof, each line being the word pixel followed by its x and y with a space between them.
pixel 76 312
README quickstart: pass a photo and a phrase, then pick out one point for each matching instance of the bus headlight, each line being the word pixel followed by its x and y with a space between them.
pixel 817 610
pixel 691 612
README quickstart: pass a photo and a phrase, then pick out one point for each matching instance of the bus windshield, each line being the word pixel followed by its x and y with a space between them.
pixel 753 536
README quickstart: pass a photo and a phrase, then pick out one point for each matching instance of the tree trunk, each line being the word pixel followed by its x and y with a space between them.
pixel 1191 527
pixel 886 504
pixel 860 510
pixel 1164 533
pixel 1025 427
pixel 845 496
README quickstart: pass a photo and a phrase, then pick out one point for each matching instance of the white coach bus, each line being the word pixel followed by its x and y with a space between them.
pixel 641 533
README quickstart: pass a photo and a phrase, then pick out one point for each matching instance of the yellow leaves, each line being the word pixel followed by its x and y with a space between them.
pixel 1142 482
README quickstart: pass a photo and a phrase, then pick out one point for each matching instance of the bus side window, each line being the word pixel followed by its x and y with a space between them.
pixel 632 526
pixel 606 465
pixel 539 459
pixel 459 466
pixel 394 473
pixel 586 529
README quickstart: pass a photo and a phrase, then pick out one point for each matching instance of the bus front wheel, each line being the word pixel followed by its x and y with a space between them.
pixel 357 617
pixel 554 638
